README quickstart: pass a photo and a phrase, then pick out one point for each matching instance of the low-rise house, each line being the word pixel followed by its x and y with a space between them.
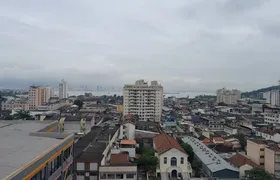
pixel 218 140
pixel 243 162
pixel 173 160
pixel 268 134
pixel 14 106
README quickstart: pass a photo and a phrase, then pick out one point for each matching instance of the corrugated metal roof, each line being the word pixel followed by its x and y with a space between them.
pixel 208 157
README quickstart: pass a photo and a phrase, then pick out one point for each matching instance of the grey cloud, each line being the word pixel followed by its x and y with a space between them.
pixel 194 45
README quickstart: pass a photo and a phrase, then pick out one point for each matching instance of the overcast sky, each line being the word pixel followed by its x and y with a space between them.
pixel 190 45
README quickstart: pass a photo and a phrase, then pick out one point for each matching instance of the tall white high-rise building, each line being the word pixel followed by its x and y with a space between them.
pixel 228 96
pixel 144 100
pixel 63 89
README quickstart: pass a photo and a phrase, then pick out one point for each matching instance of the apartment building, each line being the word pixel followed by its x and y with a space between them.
pixel 63 89
pixel 272 160
pixel 38 95
pixel 266 154
pixel 272 97
pixel 228 96
pixel 144 100
pixel 255 150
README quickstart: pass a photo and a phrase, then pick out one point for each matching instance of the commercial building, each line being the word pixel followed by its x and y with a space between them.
pixel 173 160
pixel 228 96
pixel 38 95
pixel 34 150
pixel 144 100
pixel 212 164
pixel 63 89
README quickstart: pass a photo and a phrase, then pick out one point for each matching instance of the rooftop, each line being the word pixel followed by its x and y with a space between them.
pixel 164 142
pixel 92 145
pixel 119 159
pixel 18 147
pixel 128 142
pixel 239 160
pixel 208 157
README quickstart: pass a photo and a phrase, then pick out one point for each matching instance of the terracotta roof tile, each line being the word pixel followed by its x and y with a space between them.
pixel 218 139
pixel 128 142
pixel 119 159
pixel 163 143
pixel 239 160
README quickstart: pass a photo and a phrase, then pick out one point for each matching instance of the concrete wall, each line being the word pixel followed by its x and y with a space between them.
pixel 254 151
pixel 269 161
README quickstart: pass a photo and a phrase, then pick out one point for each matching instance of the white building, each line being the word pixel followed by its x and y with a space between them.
pixel 173 160
pixel 228 96
pixel 144 100
pixel 63 89
pixel 268 134
pixel 272 97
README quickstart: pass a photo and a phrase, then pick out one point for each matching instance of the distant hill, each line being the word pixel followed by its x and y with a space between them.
pixel 256 93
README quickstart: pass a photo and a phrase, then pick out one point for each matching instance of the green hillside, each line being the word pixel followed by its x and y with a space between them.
pixel 256 93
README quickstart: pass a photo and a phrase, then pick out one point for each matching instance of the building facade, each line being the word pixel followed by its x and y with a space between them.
pixel 13 106
pixel 272 97
pixel 144 100
pixel 255 150
pixel 173 160
pixel 63 89
pixel 38 95
pixel 228 96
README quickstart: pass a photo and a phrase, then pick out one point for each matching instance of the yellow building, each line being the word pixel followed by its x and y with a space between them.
pixel 120 108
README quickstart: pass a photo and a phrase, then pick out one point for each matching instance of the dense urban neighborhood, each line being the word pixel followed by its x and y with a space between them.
pixel 140 135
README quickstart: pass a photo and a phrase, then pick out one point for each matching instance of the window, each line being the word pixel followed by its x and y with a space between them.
pixel 110 176
pixel 129 176
pixel 165 160
pixel 262 149
pixel 173 161
pixel 182 160
pixel 119 176
pixel 261 156
pixel 102 176
pixel 261 164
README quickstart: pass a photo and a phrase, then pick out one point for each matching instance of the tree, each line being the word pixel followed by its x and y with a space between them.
pixel 242 140
pixel 22 114
pixel 79 103
pixel 188 149
pixel 258 174
pixel 147 161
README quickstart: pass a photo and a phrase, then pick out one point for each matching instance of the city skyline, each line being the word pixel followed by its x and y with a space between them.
pixel 190 45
